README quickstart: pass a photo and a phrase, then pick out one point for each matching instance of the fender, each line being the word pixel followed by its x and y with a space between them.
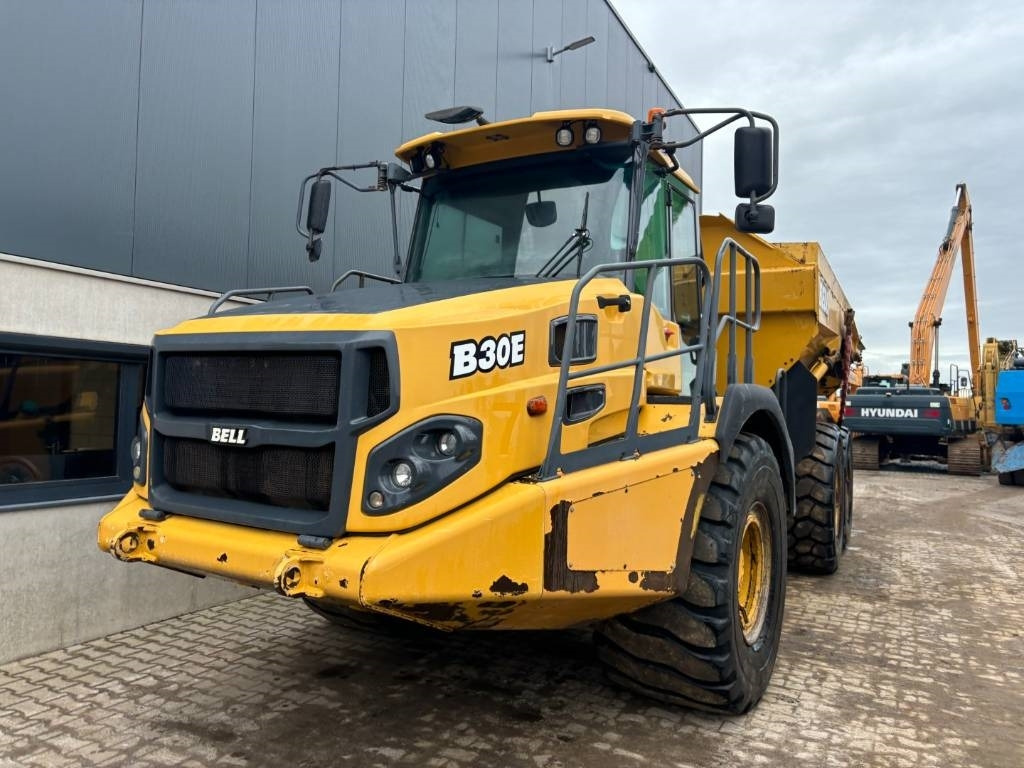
pixel 755 409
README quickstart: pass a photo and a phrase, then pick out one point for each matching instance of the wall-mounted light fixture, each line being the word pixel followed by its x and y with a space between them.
pixel 551 52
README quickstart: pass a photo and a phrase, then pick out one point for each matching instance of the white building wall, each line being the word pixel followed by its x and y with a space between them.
pixel 58 588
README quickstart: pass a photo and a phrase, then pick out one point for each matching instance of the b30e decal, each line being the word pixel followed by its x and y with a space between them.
pixel 470 356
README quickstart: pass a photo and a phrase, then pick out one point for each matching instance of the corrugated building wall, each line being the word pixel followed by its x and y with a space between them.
pixel 166 139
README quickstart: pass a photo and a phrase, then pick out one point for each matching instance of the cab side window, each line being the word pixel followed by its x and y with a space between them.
pixel 686 289
pixel 652 242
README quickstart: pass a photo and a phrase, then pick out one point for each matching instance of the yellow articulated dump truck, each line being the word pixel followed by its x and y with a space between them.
pixel 557 413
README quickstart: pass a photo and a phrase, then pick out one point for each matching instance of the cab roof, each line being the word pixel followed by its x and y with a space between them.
pixel 526 136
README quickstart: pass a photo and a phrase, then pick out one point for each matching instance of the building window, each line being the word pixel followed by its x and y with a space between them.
pixel 68 410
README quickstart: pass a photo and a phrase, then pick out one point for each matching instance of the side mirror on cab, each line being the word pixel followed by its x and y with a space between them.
pixel 319 207
pixel 754 177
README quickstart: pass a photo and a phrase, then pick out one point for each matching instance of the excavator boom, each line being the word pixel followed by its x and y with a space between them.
pixel 959 238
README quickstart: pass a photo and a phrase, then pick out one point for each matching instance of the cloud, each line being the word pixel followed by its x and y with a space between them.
pixel 883 107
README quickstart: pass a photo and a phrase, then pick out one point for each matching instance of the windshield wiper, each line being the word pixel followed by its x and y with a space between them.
pixel 577 244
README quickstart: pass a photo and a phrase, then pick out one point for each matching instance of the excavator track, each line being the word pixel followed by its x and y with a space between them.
pixel 964 457
pixel 865 453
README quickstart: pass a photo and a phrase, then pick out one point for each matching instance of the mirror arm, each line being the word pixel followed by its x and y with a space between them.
pixel 394 229
pixel 736 113
pixel 346 182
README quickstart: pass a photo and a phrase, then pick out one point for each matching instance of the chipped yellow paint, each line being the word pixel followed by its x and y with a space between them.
pixel 480 566
pixel 633 528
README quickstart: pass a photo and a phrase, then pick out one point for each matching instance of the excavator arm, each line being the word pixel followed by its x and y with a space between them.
pixel 924 328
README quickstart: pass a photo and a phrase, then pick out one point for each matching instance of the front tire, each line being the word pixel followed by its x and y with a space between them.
pixel 714 647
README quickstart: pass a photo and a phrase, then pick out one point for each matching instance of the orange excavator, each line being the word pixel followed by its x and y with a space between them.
pixel 924 330
pixel 924 419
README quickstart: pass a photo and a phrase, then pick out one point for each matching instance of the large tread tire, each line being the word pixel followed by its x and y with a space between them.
pixel 823 504
pixel 964 457
pixel 691 650
pixel 865 453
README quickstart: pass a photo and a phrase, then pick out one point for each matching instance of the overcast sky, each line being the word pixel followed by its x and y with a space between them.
pixel 883 108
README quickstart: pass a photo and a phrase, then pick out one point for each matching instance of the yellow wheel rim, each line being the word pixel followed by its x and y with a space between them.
pixel 754 572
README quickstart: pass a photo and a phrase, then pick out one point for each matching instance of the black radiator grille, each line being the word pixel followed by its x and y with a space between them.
pixel 378 397
pixel 297 386
pixel 298 478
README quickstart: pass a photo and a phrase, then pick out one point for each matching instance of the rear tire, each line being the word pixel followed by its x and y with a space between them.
pixel 824 504
pixel 714 647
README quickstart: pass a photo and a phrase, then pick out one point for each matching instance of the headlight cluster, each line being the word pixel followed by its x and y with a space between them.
pixel 139 452
pixel 419 461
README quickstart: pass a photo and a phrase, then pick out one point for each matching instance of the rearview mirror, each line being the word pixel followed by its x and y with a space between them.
pixel 542 213
pixel 752 161
pixel 759 219
pixel 319 206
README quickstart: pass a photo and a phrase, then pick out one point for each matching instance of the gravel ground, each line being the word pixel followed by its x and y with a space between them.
pixel 910 656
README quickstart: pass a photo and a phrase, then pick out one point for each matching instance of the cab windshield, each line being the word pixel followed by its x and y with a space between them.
pixel 511 218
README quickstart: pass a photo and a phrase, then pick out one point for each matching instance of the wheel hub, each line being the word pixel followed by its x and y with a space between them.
pixel 754 572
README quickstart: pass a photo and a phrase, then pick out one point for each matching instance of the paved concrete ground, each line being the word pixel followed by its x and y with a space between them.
pixel 910 656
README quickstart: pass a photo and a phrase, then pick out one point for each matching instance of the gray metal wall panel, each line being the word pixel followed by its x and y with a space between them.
pixel 241 98
pixel 476 54
pixel 636 70
pixel 429 63
pixel 516 55
pixel 195 142
pixel 546 77
pixel 69 82
pixel 295 131
pixel 651 96
pixel 598 17
pixel 573 64
pixel 618 45
pixel 369 128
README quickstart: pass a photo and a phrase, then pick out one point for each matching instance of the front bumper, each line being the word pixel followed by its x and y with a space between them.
pixel 583 547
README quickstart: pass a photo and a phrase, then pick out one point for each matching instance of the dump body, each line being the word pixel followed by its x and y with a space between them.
pixel 808 338
pixel 804 310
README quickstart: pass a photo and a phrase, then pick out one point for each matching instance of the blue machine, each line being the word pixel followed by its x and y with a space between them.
pixel 1010 397
pixel 1008 450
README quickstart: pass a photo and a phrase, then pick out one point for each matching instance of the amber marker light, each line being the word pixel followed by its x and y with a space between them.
pixel 537 406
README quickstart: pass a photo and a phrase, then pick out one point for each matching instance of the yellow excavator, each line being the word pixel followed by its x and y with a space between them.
pixel 552 414
pixel 924 419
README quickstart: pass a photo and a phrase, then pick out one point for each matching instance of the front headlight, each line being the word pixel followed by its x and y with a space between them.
pixel 419 461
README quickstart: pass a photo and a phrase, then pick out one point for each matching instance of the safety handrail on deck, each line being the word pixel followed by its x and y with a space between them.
pixel 227 295
pixel 750 323
pixel 712 324
pixel 629 444
pixel 363 277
